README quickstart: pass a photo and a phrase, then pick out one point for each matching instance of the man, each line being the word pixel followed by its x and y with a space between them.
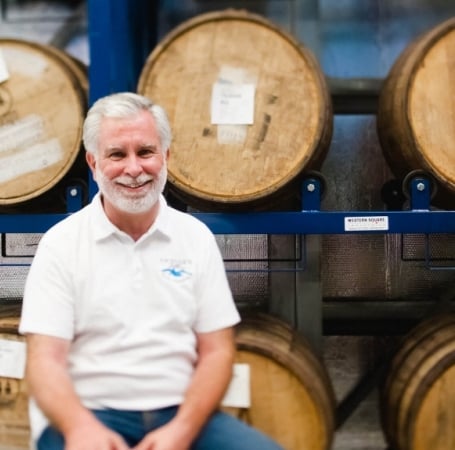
pixel 127 310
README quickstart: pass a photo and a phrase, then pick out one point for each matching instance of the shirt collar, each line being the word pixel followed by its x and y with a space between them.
pixel 104 228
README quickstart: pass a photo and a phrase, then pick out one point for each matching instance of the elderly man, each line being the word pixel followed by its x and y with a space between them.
pixel 127 310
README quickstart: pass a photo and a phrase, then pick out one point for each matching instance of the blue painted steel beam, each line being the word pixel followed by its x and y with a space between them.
pixel 418 220
pixel 29 223
pixel 329 222
pixel 121 35
pixel 299 222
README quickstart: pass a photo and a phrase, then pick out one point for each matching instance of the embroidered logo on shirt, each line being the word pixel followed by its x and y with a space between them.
pixel 177 270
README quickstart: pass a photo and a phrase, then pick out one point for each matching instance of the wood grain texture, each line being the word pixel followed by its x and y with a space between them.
pixel 214 167
pixel 291 394
pixel 14 421
pixel 49 86
pixel 417 399
pixel 416 123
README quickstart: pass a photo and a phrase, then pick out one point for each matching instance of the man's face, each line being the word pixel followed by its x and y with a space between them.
pixel 130 167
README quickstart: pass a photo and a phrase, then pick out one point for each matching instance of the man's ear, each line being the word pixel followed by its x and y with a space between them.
pixel 167 154
pixel 91 161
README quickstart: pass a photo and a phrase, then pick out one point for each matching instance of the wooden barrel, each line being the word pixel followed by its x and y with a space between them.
pixel 214 59
pixel 14 421
pixel 416 109
pixel 43 102
pixel 292 399
pixel 418 396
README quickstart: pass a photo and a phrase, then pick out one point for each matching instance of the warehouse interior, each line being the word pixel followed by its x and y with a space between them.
pixel 353 296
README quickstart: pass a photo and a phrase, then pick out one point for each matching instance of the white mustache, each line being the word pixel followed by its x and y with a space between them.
pixel 133 182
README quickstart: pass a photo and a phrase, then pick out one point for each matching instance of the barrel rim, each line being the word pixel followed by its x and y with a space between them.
pixel 422 389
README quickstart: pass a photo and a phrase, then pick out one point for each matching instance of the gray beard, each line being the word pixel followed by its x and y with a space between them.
pixel 130 204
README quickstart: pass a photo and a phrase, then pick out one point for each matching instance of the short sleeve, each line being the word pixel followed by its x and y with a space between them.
pixel 47 304
pixel 216 306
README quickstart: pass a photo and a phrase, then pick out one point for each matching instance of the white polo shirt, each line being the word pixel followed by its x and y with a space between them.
pixel 131 309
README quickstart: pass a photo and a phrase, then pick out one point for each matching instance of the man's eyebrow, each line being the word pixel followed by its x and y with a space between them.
pixel 150 147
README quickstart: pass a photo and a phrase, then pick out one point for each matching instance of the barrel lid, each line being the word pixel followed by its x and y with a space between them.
pixel 42 106
pixel 431 105
pixel 216 161
pixel 416 109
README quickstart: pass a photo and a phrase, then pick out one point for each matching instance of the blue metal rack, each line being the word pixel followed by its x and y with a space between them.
pixel 119 46
pixel 121 38
pixel 310 220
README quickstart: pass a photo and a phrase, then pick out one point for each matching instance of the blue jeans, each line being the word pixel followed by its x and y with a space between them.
pixel 222 431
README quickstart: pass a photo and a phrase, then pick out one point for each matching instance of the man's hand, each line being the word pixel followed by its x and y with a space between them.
pixel 167 437
pixel 211 378
pixel 94 436
pixel 50 385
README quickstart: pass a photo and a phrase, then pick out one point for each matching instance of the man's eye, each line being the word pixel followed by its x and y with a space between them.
pixel 146 152
pixel 116 155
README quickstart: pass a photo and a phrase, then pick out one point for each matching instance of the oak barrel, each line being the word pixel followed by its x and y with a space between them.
pixel 43 102
pixel 238 166
pixel 292 399
pixel 14 421
pixel 416 110
pixel 418 396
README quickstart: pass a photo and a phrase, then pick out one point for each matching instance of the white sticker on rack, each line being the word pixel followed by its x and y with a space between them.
pixel 12 358
pixel 366 223
pixel 4 75
pixel 238 393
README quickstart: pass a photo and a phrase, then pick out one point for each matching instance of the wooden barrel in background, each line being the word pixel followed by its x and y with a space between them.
pixel 14 421
pixel 237 167
pixel 42 107
pixel 416 111
pixel 292 399
pixel 418 396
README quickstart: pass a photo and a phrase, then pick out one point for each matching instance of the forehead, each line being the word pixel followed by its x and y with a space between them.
pixel 140 127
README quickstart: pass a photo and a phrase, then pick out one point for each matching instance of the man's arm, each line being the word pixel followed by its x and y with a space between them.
pixel 50 385
pixel 216 351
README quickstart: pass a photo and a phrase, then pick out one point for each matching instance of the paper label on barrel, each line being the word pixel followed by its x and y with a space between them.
pixel 238 393
pixel 367 223
pixel 4 75
pixel 24 63
pixel 30 159
pixel 232 104
pixel 21 133
pixel 12 358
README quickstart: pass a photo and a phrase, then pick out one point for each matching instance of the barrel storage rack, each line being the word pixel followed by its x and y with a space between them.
pixel 120 39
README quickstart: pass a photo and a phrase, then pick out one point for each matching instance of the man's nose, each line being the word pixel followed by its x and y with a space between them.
pixel 133 166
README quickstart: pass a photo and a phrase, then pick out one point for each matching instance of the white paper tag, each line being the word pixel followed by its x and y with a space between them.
pixel 238 393
pixel 367 223
pixel 232 104
pixel 12 358
pixel 4 75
